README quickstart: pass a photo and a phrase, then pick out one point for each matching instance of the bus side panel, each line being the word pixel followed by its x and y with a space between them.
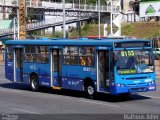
pixel 18 76
pixel 41 70
pixel 72 83
pixel 26 78
pixel 26 72
pixel 9 71
pixel 56 78
pixel 73 76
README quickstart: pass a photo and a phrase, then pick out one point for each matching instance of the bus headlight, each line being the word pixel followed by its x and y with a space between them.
pixel 119 85
pixel 112 84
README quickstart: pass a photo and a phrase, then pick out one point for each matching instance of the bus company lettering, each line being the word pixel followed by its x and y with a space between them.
pixel 137 81
pixel 86 69
pixel 45 83
pixel 56 47
pixel 102 48
pixel 33 67
pixel 75 83
pixel 9 64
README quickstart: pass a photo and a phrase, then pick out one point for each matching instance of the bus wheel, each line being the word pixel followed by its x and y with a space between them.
pixel 90 91
pixel 34 83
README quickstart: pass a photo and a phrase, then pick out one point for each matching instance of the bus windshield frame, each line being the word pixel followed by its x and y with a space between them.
pixel 134 61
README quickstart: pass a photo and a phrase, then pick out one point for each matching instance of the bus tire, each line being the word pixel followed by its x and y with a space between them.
pixel 90 91
pixel 34 83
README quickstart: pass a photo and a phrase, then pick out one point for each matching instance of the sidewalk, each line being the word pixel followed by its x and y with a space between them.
pixel 1 59
pixel 1 62
pixel 157 69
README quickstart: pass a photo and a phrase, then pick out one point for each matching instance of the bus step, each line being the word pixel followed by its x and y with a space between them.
pixel 56 87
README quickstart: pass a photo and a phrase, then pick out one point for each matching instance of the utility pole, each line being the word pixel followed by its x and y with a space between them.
pixel 14 23
pixel 64 18
pixel 99 20
pixel 4 10
pixel 22 19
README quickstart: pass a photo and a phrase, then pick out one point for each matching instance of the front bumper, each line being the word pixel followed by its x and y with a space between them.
pixel 133 89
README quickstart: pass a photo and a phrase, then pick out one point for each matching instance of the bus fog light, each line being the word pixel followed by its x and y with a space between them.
pixel 151 88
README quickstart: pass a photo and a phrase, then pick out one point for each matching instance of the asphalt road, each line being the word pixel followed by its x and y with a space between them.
pixel 16 98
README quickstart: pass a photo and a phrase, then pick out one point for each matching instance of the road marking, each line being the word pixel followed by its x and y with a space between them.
pixel 99 103
pixel 31 112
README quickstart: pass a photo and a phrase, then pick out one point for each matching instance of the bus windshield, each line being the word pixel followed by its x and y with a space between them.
pixel 134 61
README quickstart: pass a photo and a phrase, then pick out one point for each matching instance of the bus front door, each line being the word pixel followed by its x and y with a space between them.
pixel 103 65
pixel 18 65
pixel 56 66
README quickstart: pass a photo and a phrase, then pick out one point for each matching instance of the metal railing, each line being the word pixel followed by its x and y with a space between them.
pixel 40 24
pixel 68 6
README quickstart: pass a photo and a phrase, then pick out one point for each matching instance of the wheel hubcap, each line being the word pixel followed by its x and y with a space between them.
pixel 34 84
pixel 90 90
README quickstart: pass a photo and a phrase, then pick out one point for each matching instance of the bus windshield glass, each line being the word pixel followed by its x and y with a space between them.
pixel 134 61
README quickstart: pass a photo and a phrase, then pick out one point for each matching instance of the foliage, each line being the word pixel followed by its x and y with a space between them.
pixel 86 30
pixel 141 29
pixel 127 29
pixel 137 29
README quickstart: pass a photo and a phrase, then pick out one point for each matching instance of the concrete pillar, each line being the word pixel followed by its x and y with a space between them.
pixel 105 33
pixel 53 30
pixel 79 29
pixel 42 31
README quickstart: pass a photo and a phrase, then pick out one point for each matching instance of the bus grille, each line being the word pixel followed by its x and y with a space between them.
pixel 138 89
pixel 134 78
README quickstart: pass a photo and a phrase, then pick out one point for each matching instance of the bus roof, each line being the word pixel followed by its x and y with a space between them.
pixel 70 42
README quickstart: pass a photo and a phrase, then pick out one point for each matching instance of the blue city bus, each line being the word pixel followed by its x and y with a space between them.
pixel 115 66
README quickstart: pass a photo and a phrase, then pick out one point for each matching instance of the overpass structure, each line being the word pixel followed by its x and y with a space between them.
pixel 41 25
pixel 112 9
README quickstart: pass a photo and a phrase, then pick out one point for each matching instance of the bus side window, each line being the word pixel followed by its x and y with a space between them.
pixel 30 53
pixel 82 61
pixel 70 55
pixel 43 56
pixel 31 58
pixel 9 53
pixel 86 56
pixel 9 57
pixel 26 58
